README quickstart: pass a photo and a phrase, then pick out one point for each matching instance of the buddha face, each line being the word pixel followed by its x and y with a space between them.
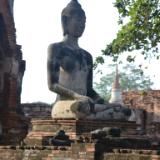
pixel 76 25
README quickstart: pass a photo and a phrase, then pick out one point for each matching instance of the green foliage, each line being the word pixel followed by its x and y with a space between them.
pixel 131 78
pixel 141 32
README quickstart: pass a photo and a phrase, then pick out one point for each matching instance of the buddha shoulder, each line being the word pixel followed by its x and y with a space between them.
pixel 55 47
pixel 88 56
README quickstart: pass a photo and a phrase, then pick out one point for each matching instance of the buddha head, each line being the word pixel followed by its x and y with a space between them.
pixel 73 19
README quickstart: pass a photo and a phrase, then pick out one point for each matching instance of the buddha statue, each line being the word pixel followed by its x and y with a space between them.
pixel 70 74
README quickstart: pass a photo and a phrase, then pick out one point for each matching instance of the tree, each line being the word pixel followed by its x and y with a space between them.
pixel 141 32
pixel 131 78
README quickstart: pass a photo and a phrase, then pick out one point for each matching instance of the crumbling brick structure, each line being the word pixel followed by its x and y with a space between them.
pixel 11 73
pixel 148 102
pixel 13 125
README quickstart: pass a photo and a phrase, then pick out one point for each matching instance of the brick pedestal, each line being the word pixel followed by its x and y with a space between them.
pixel 42 128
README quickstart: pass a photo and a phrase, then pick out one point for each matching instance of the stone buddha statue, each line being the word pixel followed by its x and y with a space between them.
pixel 70 74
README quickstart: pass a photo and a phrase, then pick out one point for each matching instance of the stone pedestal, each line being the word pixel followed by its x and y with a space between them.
pixel 43 128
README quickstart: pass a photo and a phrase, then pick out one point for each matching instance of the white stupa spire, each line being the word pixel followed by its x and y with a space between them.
pixel 116 84
pixel 116 93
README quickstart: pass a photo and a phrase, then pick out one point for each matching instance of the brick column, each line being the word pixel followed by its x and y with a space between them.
pixel 10 92
pixel 14 125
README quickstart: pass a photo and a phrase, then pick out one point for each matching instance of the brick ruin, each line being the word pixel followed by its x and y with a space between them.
pixel 148 103
pixel 12 68
pixel 16 118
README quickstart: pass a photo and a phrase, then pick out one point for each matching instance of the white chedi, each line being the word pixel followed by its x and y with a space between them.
pixel 116 93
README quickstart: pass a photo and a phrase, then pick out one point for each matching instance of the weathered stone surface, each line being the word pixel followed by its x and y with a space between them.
pixel 70 74
pixel 48 153
pixel 75 152
pixel 148 102
pixel 15 126
pixel 11 73
pixel 62 109
pixel 36 110
pixel 74 128
pixel 129 157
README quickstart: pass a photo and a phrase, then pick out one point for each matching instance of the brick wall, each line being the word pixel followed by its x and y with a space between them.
pixel 5 10
pixel 10 92
pixel 14 125
pixel 76 152
pixel 37 110
pixel 148 101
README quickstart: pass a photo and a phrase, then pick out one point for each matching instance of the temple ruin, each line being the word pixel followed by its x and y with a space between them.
pixel 28 132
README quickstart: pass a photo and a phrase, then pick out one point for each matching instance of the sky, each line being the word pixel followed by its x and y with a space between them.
pixel 38 23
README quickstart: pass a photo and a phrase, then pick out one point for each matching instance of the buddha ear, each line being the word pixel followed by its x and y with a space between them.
pixel 64 20
pixel 64 24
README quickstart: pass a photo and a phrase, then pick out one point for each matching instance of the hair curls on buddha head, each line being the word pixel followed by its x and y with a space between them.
pixel 73 8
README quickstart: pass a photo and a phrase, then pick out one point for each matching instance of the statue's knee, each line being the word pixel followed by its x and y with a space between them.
pixel 80 107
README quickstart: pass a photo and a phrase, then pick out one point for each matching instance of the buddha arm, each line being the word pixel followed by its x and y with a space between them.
pixel 59 89
pixel 90 91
